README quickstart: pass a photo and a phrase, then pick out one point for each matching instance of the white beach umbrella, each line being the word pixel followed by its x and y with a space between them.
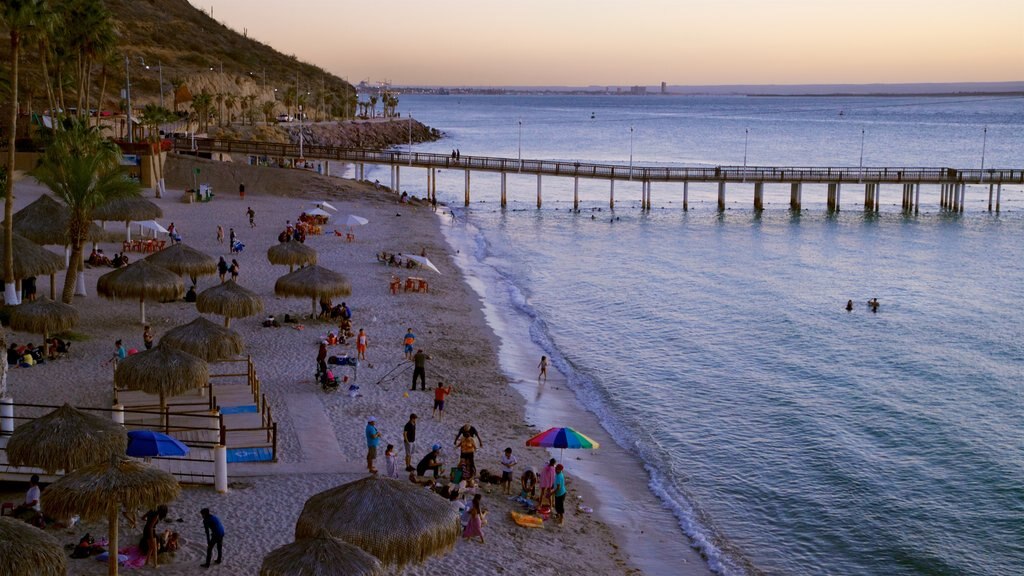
pixel 153 226
pixel 423 261
pixel 353 220
pixel 318 212
pixel 327 205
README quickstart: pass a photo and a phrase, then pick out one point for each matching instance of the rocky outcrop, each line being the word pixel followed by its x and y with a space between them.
pixel 371 134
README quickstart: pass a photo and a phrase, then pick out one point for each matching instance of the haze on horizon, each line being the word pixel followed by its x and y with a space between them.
pixel 645 42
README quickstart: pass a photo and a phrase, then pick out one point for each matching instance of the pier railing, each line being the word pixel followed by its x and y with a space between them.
pixel 766 174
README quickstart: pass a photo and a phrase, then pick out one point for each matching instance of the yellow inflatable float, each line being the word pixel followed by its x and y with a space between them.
pixel 527 520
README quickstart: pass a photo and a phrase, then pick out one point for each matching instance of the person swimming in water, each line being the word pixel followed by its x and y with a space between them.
pixel 849 305
pixel 873 303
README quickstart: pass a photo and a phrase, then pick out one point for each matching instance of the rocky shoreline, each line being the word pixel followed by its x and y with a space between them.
pixel 377 133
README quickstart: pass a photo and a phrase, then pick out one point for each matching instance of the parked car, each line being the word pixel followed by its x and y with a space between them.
pixel 285 118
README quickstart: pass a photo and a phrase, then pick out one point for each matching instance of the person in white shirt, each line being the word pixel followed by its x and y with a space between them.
pixel 508 461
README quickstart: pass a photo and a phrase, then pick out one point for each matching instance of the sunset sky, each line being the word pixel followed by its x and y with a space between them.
pixel 618 42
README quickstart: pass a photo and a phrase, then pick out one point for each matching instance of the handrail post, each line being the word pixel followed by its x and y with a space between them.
pixel 273 449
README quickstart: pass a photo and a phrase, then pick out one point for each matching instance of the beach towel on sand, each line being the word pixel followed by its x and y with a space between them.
pixel 129 557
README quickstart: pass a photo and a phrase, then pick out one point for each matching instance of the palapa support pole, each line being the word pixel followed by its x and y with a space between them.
pixel 117 415
pixel 112 510
pixel 142 309
pixel 220 468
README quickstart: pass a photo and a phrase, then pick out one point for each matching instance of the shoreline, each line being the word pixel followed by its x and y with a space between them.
pixel 648 531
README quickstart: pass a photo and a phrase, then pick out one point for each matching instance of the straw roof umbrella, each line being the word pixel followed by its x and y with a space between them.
pixel 31 259
pixel 312 282
pixel 230 300
pixel 28 551
pixel 65 439
pixel 291 253
pixel 140 280
pixel 182 259
pixel 126 210
pixel 43 316
pixel 101 490
pixel 164 371
pixel 398 522
pixel 45 221
pixel 205 340
pixel 322 555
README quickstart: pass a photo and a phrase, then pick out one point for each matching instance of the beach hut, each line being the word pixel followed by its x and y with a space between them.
pixel 321 555
pixel 291 254
pixel 164 371
pixel 101 491
pixel 183 259
pixel 28 551
pixel 204 339
pixel 312 282
pixel 230 300
pixel 44 317
pixel 140 280
pixel 127 210
pixel 398 522
pixel 65 439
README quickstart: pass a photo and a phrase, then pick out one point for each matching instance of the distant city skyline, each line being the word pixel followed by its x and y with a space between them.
pixel 643 42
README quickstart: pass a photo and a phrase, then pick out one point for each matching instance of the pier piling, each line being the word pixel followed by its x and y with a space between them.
pixel 758 196
pixel 538 190
pixel 611 196
pixel 721 196
pixel 576 193
pixel 686 196
pixel 467 187
pixel 795 194
pixel 504 188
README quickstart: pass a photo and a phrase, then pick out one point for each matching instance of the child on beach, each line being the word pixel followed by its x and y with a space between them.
pixel 508 462
pixel 543 369
pixel 477 519
pixel 439 394
pixel 391 460
pixel 220 234
pixel 361 341
pixel 408 341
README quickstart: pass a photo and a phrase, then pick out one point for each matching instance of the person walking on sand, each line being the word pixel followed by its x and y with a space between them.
pixel 409 441
pixel 361 342
pixel 234 270
pixel 560 493
pixel 543 369
pixel 439 393
pixel 231 240
pixel 252 217
pixel 372 441
pixel 408 341
pixel 214 530
pixel 220 234
pixel 222 269
pixel 547 483
pixel 477 519
pixel 419 369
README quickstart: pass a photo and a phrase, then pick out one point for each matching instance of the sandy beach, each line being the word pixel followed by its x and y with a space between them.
pixel 321 434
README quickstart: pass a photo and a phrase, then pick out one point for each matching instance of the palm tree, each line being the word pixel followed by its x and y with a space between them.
pixel 219 98
pixel 153 116
pixel 268 110
pixel 289 99
pixel 229 103
pixel 18 16
pixel 81 167
pixel 373 106
pixel 248 105
pixel 202 104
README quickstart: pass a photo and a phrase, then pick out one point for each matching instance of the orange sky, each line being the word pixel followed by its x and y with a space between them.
pixel 605 42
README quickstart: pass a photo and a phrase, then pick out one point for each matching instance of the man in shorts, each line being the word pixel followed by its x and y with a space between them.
pixel 409 438
pixel 439 394
pixel 372 441
pixel 508 462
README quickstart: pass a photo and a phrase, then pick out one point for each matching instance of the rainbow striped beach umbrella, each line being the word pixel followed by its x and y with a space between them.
pixel 562 438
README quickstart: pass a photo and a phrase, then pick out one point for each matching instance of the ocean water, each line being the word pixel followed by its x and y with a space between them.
pixel 788 435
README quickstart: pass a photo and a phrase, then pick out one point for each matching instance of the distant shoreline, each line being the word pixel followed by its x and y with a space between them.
pixel 886 95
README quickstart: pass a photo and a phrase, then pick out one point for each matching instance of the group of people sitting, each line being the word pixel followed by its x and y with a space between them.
pixel 30 354
pixel 290 233
pixel 98 258
pixel 392 259
pixel 313 219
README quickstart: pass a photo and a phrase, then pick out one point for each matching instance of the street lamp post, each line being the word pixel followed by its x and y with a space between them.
pixel 410 139
pixel 128 96
pixel 862 149
pixel 630 152
pixel 746 139
pixel 984 142
pixel 520 140
pixel 301 155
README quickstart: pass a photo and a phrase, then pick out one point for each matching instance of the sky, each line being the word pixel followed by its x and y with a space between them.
pixel 642 42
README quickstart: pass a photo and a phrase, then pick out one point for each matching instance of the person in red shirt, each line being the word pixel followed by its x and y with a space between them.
pixel 439 395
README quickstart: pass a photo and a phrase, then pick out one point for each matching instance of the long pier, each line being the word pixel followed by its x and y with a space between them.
pixel 951 182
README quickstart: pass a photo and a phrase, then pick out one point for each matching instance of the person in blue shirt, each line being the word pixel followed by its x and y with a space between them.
pixel 214 535
pixel 372 440
pixel 560 494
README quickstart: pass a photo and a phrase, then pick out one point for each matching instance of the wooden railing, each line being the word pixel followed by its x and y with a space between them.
pixel 788 174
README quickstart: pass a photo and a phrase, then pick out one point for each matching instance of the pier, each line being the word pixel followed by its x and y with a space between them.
pixel 951 183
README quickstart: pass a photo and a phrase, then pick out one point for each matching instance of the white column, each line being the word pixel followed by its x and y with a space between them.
pixel 611 196
pixel 118 414
pixel 576 193
pixel 220 468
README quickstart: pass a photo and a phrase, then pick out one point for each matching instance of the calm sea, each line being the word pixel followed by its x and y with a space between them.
pixel 788 435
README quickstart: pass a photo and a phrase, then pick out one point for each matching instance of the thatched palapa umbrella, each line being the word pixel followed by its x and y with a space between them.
pixel 126 210
pixel 28 551
pixel 204 339
pixel 292 254
pixel 140 280
pixel 44 317
pixel 322 555
pixel 45 222
pixel 230 300
pixel 163 371
pixel 182 259
pixel 398 522
pixel 312 282
pixel 65 439
pixel 101 490
pixel 31 259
